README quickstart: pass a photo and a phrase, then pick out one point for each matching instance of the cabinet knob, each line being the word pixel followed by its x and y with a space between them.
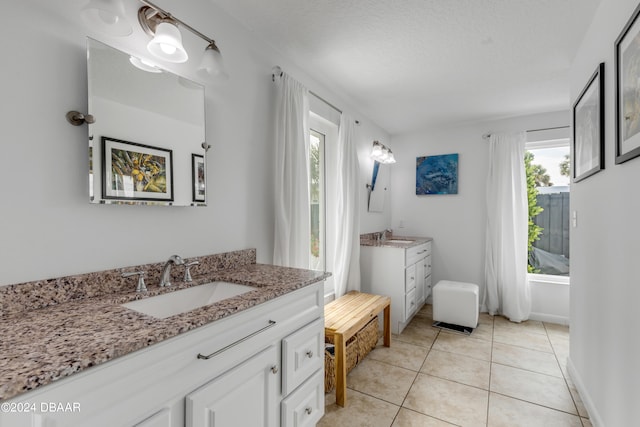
pixel 309 354
pixel 308 410
pixel 274 369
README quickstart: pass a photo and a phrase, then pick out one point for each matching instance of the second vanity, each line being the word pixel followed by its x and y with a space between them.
pixel 254 359
pixel 398 267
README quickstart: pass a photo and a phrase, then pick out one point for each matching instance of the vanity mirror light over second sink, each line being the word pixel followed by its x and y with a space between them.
pixel 399 267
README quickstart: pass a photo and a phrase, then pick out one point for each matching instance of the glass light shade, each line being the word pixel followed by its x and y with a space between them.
pixel 212 64
pixel 106 16
pixel 167 43
pixel 392 158
pixel 144 65
pixel 381 154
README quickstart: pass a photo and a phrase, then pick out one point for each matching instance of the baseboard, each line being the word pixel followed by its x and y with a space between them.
pixel 329 297
pixel 594 416
pixel 549 318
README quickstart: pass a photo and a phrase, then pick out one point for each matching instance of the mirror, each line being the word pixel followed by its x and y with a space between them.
pixel 146 144
pixel 378 187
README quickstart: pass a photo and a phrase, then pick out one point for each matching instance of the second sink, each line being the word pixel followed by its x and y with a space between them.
pixel 170 304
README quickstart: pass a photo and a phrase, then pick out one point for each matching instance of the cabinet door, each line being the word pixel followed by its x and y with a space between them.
pixel 420 291
pixel 427 276
pixel 159 419
pixel 245 395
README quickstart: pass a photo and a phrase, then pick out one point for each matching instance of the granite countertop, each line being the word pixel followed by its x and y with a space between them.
pixel 42 345
pixel 409 241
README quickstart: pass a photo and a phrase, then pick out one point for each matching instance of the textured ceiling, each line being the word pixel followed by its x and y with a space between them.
pixel 409 64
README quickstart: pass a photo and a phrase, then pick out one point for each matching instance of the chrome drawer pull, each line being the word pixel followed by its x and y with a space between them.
pixel 309 354
pixel 308 410
pixel 274 369
pixel 271 324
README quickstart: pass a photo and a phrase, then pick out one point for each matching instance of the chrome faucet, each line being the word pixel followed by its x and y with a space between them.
pixel 141 286
pixel 165 279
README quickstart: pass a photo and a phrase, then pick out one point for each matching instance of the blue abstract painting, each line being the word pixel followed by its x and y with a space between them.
pixel 437 174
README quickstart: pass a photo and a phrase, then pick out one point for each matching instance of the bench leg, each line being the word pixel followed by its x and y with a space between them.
pixel 341 370
pixel 387 326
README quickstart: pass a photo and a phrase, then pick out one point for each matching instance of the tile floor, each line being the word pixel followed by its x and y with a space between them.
pixel 503 374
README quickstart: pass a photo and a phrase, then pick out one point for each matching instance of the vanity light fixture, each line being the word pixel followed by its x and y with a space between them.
pixel 381 153
pixel 212 65
pixel 166 43
pixel 107 16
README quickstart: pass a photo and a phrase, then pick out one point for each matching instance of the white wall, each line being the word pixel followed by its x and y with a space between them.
pixel 605 249
pixel 47 225
pixel 456 222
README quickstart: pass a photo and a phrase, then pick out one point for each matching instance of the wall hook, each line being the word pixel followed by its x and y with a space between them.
pixel 76 118
pixel 206 146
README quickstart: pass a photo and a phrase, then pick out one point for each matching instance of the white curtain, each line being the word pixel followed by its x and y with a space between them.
pixel 507 286
pixel 292 229
pixel 345 264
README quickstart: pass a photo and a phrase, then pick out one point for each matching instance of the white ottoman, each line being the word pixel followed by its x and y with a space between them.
pixel 456 303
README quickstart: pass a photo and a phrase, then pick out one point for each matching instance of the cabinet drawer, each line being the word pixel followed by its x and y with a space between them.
pixel 410 304
pixel 305 406
pixel 417 252
pixel 302 354
pixel 427 265
pixel 409 278
pixel 427 286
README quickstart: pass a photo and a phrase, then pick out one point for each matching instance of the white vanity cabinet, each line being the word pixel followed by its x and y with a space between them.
pixel 251 356
pixel 404 274
pixel 245 395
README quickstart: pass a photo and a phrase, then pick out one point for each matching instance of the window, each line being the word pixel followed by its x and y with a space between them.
pixel 317 199
pixel 323 137
pixel 548 165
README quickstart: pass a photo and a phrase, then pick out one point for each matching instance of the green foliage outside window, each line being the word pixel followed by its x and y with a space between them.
pixel 533 174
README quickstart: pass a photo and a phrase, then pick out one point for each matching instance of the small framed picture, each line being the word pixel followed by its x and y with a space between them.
pixel 132 171
pixel 627 54
pixel 588 128
pixel 198 178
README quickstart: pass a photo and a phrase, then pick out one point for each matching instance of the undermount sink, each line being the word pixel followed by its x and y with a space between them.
pixel 399 241
pixel 170 304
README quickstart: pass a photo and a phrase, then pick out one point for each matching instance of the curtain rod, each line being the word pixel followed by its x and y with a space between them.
pixel 325 101
pixel 488 135
pixel 277 71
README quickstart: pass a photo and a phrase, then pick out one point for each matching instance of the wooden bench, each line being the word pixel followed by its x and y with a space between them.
pixel 344 317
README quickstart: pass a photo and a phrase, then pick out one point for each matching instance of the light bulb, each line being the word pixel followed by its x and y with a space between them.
pixel 167 48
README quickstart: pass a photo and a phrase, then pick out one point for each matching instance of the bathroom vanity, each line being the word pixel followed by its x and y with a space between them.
pixel 254 359
pixel 398 267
